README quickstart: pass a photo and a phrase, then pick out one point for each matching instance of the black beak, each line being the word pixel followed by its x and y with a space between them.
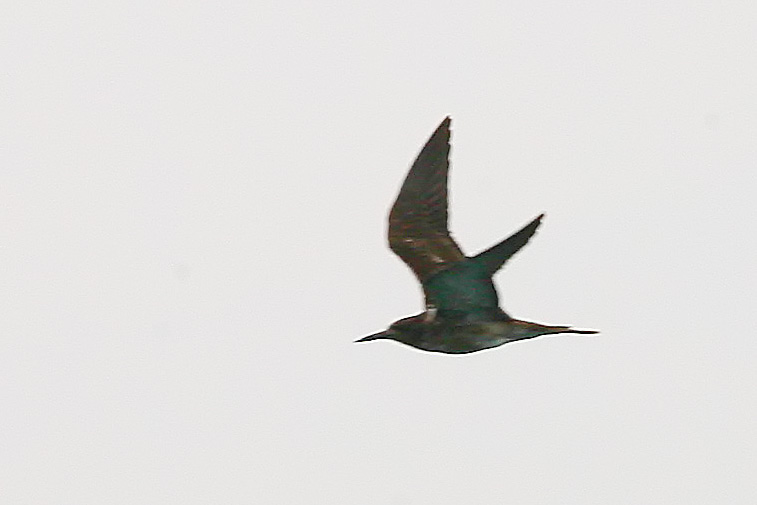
pixel 375 336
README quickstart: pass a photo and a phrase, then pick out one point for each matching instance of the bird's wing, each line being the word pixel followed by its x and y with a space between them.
pixel 493 258
pixel 418 231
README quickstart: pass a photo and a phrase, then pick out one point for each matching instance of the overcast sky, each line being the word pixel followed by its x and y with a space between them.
pixel 193 202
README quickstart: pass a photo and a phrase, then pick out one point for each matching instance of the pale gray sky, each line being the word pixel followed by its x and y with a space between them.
pixel 192 206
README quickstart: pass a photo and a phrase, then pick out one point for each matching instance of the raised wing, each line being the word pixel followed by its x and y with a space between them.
pixel 418 231
pixel 493 258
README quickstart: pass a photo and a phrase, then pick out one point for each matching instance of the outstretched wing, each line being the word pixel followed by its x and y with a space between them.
pixel 418 231
pixel 493 258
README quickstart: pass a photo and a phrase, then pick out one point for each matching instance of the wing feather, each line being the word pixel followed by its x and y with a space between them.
pixel 418 221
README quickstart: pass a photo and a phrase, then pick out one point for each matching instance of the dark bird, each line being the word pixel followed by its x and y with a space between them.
pixel 462 307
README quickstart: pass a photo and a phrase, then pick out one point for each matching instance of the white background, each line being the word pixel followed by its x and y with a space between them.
pixel 192 233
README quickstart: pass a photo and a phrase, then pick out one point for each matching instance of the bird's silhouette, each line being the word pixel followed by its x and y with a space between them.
pixel 462 307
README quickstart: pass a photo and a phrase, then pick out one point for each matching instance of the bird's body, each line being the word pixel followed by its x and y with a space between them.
pixel 462 307
pixel 463 335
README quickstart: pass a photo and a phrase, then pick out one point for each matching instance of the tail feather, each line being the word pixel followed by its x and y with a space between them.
pixel 493 258
pixel 568 329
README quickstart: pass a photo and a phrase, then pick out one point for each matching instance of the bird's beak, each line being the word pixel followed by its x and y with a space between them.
pixel 375 336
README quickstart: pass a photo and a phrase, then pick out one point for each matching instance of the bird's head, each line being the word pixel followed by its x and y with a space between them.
pixel 406 330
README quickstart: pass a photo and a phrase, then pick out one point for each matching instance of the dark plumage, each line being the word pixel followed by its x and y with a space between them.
pixel 462 307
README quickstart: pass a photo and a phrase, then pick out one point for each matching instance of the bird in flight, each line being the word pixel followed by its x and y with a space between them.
pixel 462 307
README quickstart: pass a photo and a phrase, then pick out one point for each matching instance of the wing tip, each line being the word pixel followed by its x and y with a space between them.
pixel 536 222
